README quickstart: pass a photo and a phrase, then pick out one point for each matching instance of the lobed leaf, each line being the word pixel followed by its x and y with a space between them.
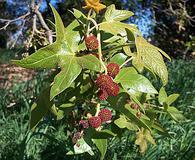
pixel 112 14
pixel 150 57
pixel 89 62
pixel 70 70
pixel 130 80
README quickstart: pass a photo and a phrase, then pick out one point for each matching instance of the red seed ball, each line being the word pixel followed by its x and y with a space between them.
pixel 91 42
pixel 95 122
pixel 105 115
pixel 102 95
pixel 113 89
pixel 84 123
pixel 104 81
pixel 113 69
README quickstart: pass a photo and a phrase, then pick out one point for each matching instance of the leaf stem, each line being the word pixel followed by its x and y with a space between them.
pixel 88 23
pixel 99 41
pixel 128 60
pixel 97 109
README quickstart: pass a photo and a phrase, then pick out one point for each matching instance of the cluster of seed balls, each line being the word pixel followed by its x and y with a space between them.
pixel 105 115
pixel 107 87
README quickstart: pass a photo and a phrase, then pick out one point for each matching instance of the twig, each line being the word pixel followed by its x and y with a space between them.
pixel 99 41
pixel 128 60
pixel 9 21
pixel 45 26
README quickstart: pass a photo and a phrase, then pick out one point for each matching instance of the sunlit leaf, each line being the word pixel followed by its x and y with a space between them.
pixel 162 95
pixel 172 98
pixel 130 80
pixel 150 57
pixel 112 14
pixel 89 62
pixel 118 58
pixel 70 70
pixel 122 122
pixel 176 114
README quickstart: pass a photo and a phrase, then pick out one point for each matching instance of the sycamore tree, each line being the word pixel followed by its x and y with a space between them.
pixel 99 62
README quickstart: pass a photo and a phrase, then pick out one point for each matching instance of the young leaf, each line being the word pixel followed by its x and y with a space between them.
pixel 102 145
pixel 162 96
pixel 130 80
pixel 40 109
pixel 112 14
pixel 172 98
pixel 149 56
pixel 122 122
pixel 142 137
pixel 118 28
pixel 70 70
pixel 175 114
pixel 79 15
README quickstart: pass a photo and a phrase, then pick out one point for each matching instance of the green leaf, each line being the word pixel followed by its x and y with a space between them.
pixel 117 15
pixel 172 98
pixel 118 58
pixel 60 32
pixel 70 70
pixel 73 37
pixel 130 80
pixel 162 96
pixel 150 57
pixel 102 145
pixel 79 15
pixel 40 109
pixel 118 28
pixel 66 105
pixel 89 62
pixel 119 104
pixel 47 57
pixel 175 114
pixel 122 122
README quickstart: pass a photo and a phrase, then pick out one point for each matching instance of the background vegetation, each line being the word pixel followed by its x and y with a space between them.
pixel 51 140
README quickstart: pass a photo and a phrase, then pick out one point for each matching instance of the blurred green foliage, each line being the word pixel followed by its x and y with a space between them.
pixel 50 140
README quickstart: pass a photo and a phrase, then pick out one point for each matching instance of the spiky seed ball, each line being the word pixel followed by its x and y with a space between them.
pixel 95 122
pixel 113 89
pixel 91 42
pixel 105 115
pixel 76 137
pixel 102 95
pixel 113 69
pixel 104 81
pixel 84 123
